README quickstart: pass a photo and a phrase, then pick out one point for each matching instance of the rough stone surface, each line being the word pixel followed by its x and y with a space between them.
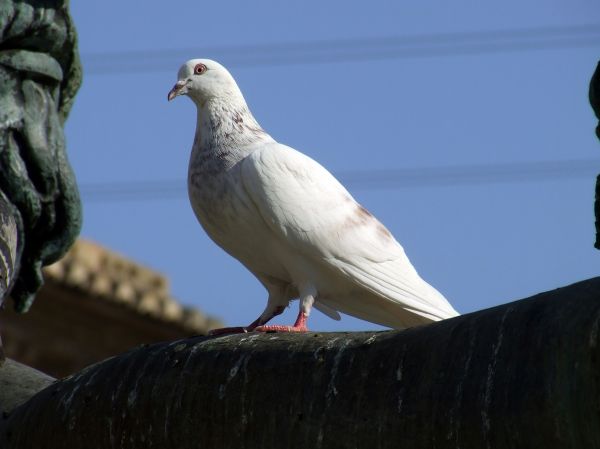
pixel 520 375
pixel 18 383
pixel 39 74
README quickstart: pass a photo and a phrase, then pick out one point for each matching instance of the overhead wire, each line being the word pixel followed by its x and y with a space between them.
pixel 352 49
pixel 342 50
pixel 399 178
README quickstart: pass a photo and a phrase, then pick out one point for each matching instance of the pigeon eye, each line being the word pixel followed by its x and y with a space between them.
pixel 199 69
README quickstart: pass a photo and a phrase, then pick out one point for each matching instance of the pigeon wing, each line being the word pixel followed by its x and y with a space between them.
pixel 305 205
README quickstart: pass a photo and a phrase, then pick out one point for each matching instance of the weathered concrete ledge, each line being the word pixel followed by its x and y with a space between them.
pixel 522 375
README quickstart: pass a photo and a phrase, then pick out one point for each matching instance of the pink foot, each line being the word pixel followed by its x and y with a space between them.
pixel 299 326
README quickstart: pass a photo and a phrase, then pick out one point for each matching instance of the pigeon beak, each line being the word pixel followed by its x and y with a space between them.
pixel 178 89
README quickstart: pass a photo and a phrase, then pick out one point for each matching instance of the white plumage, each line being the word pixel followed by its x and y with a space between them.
pixel 289 221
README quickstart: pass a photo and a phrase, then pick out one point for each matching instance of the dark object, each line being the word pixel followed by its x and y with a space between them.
pixel 521 375
pixel 39 74
pixel 594 94
pixel 18 383
pixel 11 228
pixel 597 212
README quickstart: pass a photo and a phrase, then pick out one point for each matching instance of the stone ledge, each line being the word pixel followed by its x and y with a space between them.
pixel 519 375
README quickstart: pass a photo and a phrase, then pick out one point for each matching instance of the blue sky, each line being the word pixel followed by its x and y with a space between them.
pixel 480 243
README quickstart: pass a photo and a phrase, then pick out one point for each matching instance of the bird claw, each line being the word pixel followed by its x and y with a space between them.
pixel 299 326
pixel 279 328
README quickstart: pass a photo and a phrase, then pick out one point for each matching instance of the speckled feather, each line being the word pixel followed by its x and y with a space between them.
pixel 289 221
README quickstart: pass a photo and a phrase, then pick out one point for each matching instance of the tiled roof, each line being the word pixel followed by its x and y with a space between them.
pixel 103 274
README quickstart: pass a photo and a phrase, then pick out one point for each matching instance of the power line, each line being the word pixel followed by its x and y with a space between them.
pixel 344 50
pixel 153 190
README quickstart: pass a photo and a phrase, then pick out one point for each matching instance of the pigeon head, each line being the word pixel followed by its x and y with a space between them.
pixel 203 80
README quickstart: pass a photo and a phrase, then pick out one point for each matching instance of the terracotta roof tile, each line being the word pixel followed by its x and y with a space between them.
pixel 109 276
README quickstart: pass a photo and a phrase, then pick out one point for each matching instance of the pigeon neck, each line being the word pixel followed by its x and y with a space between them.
pixel 225 125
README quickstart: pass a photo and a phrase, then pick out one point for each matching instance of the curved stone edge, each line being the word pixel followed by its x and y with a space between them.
pixel 18 383
pixel 524 374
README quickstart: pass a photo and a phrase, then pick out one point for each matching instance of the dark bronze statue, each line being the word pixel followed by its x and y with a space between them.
pixel 40 210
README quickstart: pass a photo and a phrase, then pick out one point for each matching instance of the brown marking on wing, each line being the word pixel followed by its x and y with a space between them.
pixel 362 217
pixel 382 231
pixel 364 214
pixel 359 217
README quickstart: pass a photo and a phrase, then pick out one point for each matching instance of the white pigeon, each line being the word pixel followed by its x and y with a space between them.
pixel 290 222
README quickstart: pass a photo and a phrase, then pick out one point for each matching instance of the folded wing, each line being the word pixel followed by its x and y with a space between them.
pixel 303 203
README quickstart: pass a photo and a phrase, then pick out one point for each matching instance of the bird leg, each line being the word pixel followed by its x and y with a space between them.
pixel 306 303
pixel 269 313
